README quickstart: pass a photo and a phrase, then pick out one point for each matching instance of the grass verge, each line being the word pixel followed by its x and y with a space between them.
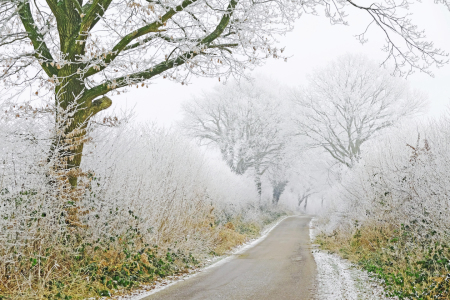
pixel 410 268
pixel 93 271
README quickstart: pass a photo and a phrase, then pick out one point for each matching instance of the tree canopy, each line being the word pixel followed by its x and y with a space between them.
pixel 348 102
pixel 246 123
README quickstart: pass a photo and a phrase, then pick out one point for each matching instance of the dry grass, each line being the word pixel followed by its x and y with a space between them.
pixel 356 244
pixel 410 269
pixel 94 270
pixel 228 238
pixel 237 232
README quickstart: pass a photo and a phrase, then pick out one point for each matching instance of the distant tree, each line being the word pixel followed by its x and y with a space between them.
pixel 348 102
pixel 244 122
pixel 304 196
pixel 279 179
pixel 287 167
pixel 278 188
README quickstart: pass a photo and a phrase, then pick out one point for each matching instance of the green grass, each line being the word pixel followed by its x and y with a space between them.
pixel 103 272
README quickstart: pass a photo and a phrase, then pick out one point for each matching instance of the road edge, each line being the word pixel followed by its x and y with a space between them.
pixel 216 262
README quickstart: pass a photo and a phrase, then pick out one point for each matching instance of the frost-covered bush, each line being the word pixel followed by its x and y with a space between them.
pixel 140 187
pixel 402 178
pixel 391 213
pixel 34 214
pixel 172 193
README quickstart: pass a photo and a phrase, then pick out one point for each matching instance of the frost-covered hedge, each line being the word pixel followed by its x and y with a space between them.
pixel 173 192
pixel 402 178
pixel 392 212
pixel 148 203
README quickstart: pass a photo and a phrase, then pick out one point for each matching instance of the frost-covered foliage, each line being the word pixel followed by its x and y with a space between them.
pixel 245 121
pixel 75 54
pixel 350 101
pixel 169 188
pixel 28 199
pixel 249 124
pixel 391 212
pixel 403 178
pixel 139 187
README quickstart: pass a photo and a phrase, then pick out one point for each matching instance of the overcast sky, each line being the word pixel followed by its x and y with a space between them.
pixel 313 43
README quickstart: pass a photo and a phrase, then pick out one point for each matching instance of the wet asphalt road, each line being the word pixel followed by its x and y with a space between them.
pixel 280 267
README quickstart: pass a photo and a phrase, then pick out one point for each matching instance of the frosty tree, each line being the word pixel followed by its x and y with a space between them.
pixel 80 52
pixel 348 102
pixel 244 122
pixel 76 53
pixel 279 178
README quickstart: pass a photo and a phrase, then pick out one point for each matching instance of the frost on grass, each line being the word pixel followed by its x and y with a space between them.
pixel 149 205
pixel 339 279
pixel 391 210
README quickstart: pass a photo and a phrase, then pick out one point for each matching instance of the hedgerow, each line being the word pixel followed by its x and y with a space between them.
pixel 394 212
pixel 148 204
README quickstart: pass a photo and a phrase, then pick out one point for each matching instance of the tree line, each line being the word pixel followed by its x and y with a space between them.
pixel 262 128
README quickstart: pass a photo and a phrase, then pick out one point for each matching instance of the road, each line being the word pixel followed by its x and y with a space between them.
pixel 280 267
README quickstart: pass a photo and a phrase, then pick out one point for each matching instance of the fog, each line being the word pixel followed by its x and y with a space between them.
pixel 313 43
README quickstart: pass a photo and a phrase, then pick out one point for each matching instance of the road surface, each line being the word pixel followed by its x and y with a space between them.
pixel 280 267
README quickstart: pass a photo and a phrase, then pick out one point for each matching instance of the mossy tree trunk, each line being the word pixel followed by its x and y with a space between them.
pixel 70 89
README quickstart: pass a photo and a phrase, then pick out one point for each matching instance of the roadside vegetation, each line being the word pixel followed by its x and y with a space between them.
pixel 391 212
pixel 419 272
pixel 387 205
pixel 149 205
pixel 91 204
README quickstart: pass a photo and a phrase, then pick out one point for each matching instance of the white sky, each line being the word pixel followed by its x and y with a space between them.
pixel 313 43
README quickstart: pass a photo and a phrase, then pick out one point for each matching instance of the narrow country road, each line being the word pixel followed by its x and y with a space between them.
pixel 280 267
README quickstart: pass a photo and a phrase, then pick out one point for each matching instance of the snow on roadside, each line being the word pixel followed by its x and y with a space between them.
pixel 338 279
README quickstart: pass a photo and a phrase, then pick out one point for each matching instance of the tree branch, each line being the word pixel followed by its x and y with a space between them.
pixel 164 66
pixel 77 6
pixel 126 40
pixel 93 11
pixel 41 50
pixel 99 105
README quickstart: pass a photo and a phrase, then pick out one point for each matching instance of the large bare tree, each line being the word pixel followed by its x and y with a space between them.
pixel 76 53
pixel 348 102
pixel 245 122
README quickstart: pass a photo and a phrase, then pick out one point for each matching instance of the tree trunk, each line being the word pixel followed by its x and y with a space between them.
pixel 73 110
pixel 72 118
pixel 278 189
pixel 258 183
pixel 70 138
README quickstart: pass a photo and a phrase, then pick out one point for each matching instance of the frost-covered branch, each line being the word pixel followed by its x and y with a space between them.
pixel 349 102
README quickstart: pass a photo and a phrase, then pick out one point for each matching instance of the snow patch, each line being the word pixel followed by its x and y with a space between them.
pixel 338 279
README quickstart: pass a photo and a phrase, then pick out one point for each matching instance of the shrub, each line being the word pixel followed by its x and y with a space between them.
pixel 148 204
pixel 394 212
